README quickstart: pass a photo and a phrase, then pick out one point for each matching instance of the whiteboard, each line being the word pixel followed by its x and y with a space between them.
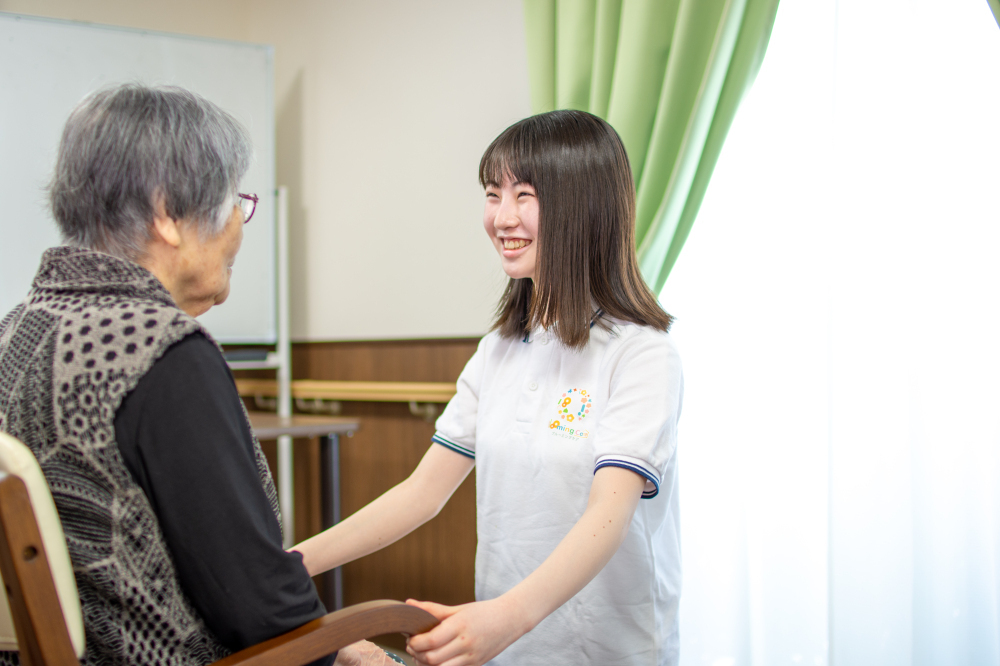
pixel 48 66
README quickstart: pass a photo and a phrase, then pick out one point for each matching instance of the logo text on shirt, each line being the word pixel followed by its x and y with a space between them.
pixel 572 408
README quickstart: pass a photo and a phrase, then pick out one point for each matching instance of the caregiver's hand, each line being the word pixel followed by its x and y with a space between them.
pixel 475 633
pixel 363 653
pixel 469 635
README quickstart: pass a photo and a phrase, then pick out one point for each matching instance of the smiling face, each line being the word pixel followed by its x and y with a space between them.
pixel 511 222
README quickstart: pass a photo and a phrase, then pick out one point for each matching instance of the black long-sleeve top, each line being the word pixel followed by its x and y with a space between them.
pixel 183 436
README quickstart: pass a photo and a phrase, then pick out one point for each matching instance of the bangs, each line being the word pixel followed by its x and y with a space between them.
pixel 509 156
pixel 586 255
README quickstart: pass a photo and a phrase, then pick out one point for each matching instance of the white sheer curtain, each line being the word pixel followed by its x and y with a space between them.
pixel 838 308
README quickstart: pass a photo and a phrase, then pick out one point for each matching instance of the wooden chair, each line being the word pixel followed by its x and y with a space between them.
pixel 40 613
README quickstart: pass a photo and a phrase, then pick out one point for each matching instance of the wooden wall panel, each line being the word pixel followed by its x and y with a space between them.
pixel 437 561
pixel 383 361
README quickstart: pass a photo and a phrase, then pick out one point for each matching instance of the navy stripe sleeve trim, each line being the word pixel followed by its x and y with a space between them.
pixel 457 448
pixel 641 471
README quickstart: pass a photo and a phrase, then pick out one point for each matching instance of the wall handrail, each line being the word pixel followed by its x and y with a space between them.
pixel 316 389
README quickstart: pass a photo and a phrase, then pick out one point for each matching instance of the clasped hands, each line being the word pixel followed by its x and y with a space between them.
pixel 469 635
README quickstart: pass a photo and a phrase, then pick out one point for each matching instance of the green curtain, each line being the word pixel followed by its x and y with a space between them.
pixel 994 5
pixel 668 75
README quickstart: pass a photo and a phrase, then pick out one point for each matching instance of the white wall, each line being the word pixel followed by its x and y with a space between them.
pixel 383 110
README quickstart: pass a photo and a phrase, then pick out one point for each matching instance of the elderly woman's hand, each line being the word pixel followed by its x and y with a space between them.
pixel 363 653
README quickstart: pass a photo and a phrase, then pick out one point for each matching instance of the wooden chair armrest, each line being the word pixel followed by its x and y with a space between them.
pixel 334 631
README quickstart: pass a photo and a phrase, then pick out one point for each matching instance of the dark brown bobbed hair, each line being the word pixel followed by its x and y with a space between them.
pixel 586 230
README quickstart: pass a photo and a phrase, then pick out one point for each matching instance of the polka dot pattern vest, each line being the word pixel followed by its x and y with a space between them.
pixel 91 327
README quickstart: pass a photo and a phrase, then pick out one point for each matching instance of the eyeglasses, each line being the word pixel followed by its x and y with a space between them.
pixel 248 204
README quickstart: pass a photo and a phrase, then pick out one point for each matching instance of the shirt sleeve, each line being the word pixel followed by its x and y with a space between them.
pixel 638 427
pixel 456 427
pixel 184 437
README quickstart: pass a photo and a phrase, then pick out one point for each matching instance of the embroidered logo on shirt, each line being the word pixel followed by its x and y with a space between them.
pixel 572 409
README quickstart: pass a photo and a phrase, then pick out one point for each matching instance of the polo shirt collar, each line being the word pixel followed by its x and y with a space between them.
pixel 533 334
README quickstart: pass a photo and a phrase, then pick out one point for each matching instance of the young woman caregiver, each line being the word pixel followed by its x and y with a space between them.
pixel 568 412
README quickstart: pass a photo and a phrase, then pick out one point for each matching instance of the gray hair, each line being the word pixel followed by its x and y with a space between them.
pixel 129 147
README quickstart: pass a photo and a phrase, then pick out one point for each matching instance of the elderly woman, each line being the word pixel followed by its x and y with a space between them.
pixel 166 500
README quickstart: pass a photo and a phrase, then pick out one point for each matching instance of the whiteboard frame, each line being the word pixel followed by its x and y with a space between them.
pixel 250 317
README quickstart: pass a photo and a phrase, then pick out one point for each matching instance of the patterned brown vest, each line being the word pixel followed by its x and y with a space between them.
pixel 91 327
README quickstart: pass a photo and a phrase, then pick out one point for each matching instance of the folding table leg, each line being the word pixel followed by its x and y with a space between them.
pixel 333 581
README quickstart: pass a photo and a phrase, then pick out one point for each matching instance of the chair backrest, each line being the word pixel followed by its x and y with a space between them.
pixel 35 565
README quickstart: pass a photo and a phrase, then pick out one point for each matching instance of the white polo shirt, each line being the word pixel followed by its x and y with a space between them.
pixel 540 419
